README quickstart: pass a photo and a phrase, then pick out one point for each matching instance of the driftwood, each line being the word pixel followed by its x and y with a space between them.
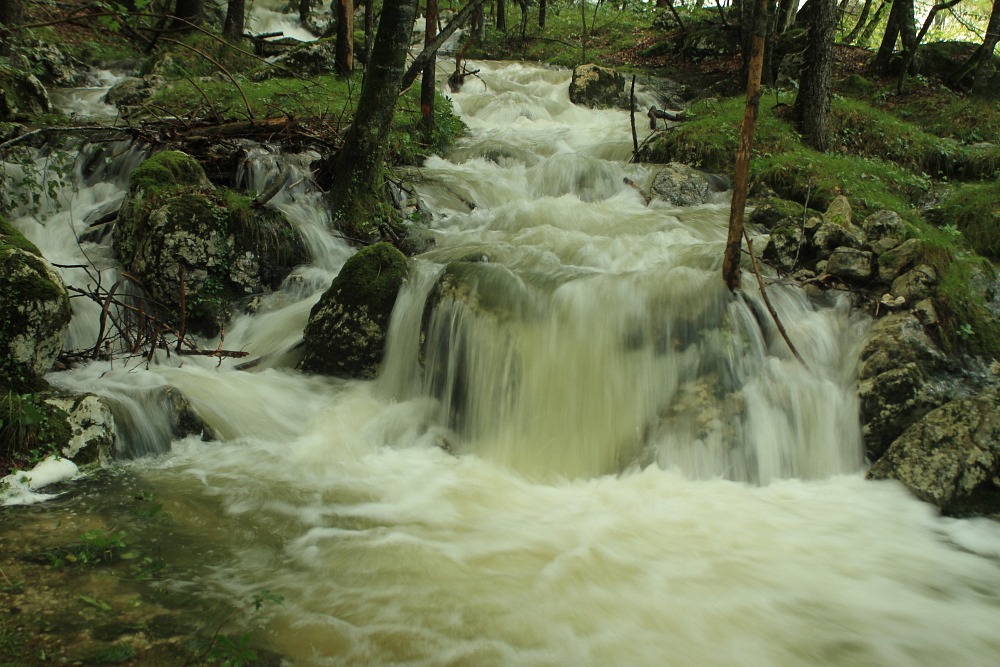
pixel 654 113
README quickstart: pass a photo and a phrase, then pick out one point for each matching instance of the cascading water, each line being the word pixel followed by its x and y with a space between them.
pixel 639 472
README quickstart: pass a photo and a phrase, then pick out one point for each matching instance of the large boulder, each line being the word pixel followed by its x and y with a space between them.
pixel 596 87
pixel 21 95
pixel 347 327
pixel 308 59
pixel 189 242
pixel 133 91
pixel 35 310
pixel 682 185
pixel 953 452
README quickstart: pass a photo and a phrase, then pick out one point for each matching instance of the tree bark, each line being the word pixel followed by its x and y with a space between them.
pixel 235 16
pixel 866 35
pixel 911 53
pixel 734 240
pixel 812 106
pixel 369 30
pixel 984 68
pixel 501 16
pixel 358 165
pixel 542 6
pixel 901 25
pixel 427 87
pixel 344 48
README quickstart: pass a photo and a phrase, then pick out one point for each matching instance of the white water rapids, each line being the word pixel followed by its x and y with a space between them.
pixel 640 473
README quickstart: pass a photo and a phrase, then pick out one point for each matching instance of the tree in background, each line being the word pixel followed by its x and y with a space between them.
pixel 901 25
pixel 187 13
pixel 10 15
pixel 985 62
pixel 427 83
pixel 344 49
pixel 235 15
pixel 812 106
pixel 357 168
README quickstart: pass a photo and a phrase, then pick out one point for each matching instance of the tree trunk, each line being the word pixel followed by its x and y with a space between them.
pixel 427 87
pixel 542 6
pixel 358 166
pixel 10 15
pixel 344 49
pixel 912 52
pixel 812 106
pixel 786 14
pixel 187 13
pixel 304 7
pixel 501 15
pixel 523 4
pixel 984 68
pixel 853 35
pixel 866 35
pixel 734 240
pixel 900 25
pixel 235 15
pixel 369 30
pixel 418 64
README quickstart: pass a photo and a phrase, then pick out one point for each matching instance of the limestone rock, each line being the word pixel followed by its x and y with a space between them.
pixel 951 452
pixel 839 213
pixel 91 427
pixel 175 227
pixel 882 224
pixel 347 327
pixel 829 236
pixel 308 59
pixel 36 309
pixel 132 91
pixel 596 87
pixel 897 340
pixel 850 264
pixel 893 262
pixel 891 402
pixel 915 285
pixel 682 185
pixel 783 247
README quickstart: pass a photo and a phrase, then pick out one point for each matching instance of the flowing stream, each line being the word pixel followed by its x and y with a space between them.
pixel 597 456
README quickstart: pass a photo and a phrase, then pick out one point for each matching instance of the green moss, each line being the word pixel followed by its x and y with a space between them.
pixel 10 236
pixel 167 170
pixel 975 210
pixel 371 276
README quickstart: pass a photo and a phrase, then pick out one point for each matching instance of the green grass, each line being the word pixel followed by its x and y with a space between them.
pixel 974 209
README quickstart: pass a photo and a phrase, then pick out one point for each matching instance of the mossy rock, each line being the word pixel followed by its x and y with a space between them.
pixel 347 327
pixel 21 96
pixel 34 310
pixel 596 87
pixel 185 240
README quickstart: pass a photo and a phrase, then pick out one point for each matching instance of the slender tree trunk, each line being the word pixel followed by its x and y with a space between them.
pixel 900 25
pixel 734 240
pixel 369 30
pixel 911 53
pixel 786 14
pixel 542 7
pixel 418 64
pixel 304 7
pixel 853 35
pixel 344 48
pixel 187 13
pixel 985 67
pixel 358 165
pixel 427 87
pixel 235 16
pixel 10 15
pixel 501 15
pixel 812 106
pixel 866 35
pixel 523 30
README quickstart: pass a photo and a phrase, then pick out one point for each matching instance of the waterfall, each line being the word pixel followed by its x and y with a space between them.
pixel 584 451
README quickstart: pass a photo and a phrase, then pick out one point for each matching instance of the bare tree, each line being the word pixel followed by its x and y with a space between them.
pixel 812 106
pixel 235 15
pixel 345 37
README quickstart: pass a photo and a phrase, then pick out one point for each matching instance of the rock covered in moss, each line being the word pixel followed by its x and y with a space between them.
pixel 21 95
pixel 682 185
pixel 174 227
pixel 850 264
pixel 347 327
pixel 133 91
pixel 90 426
pixel 950 453
pixel 308 59
pixel 596 87
pixel 34 310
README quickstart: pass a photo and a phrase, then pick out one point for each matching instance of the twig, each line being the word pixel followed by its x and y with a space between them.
pixel 767 301
pixel 631 108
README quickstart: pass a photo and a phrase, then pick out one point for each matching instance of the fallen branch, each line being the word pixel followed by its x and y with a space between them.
pixel 767 301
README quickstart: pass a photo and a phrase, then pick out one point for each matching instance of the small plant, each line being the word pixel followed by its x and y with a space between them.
pixel 235 653
pixel 965 331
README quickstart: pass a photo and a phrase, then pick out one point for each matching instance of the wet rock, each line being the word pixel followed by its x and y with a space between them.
pixel 829 236
pixel 950 453
pixel 596 87
pixel 915 285
pixel 784 247
pixel 346 332
pixel 308 59
pixel 895 261
pixel 897 340
pixel 174 227
pixel 890 403
pixel 133 91
pixel 21 95
pixel 682 185
pixel 839 213
pixel 53 67
pixel 850 264
pixel 91 436
pixel 35 307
